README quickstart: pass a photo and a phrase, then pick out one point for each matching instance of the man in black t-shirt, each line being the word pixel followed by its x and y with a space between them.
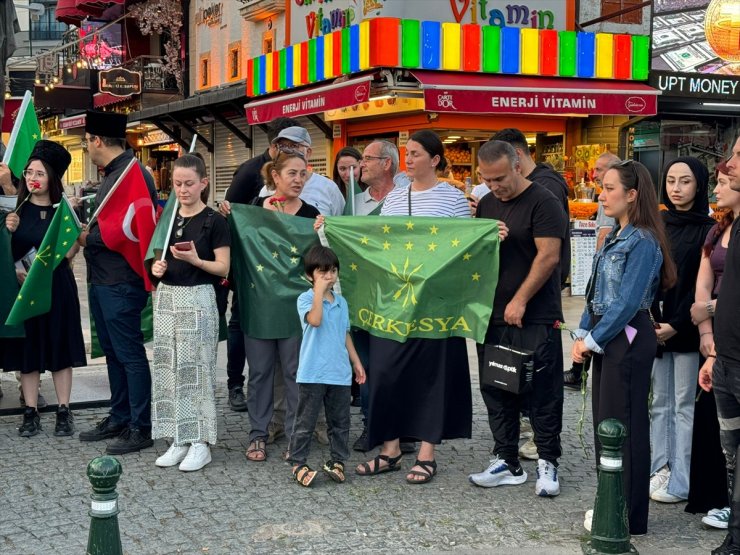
pixel 245 187
pixel 722 367
pixel 526 305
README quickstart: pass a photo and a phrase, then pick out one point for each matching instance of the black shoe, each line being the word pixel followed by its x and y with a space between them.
pixel 237 401
pixel 130 441
pixel 361 444
pixel 408 447
pixel 31 423
pixel 572 379
pixel 727 547
pixel 65 422
pixel 105 429
pixel 356 401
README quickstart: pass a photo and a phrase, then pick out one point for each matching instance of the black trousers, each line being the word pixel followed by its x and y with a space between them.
pixel 544 401
pixel 621 384
pixel 235 354
pixel 726 385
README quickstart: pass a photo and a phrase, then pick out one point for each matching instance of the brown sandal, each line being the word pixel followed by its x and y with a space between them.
pixel 256 451
pixel 304 475
pixel 335 471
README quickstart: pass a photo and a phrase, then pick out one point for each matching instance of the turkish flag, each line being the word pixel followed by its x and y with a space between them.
pixel 127 220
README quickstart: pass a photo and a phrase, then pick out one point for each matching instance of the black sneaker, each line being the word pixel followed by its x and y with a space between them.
pixel 727 547
pixel 31 423
pixel 362 443
pixel 65 422
pixel 105 429
pixel 237 401
pixel 130 441
pixel 408 447
pixel 572 379
pixel 356 401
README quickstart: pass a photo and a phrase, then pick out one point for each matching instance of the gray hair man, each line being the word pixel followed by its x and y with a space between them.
pixel 604 223
pixel 379 165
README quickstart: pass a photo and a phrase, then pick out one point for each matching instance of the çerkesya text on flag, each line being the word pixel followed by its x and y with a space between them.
pixel 34 298
pixel 267 251
pixel 23 137
pixel 127 219
pixel 417 277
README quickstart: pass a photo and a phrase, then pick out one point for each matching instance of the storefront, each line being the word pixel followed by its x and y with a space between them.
pixel 463 75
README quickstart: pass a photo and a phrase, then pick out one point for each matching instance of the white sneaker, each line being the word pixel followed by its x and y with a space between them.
pixel 529 451
pixel 173 456
pixel 199 455
pixel 525 429
pixel 547 479
pixel 661 495
pixel 717 518
pixel 659 479
pixel 588 519
pixel 498 473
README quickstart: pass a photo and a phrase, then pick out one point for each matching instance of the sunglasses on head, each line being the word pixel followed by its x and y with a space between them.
pixel 291 152
pixel 631 165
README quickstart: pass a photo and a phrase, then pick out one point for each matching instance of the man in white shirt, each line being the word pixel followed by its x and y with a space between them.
pixel 379 165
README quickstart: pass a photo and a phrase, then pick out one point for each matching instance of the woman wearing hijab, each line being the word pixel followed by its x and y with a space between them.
pixel 676 366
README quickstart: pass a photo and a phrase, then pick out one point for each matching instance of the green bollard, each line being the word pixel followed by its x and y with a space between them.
pixel 105 537
pixel 610 529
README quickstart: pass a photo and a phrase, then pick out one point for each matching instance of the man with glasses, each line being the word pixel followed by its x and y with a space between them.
pixel 117 298
pixel 379 165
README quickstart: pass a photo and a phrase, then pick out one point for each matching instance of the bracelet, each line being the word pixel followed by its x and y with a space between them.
pixel 710 308
pixel 706 333
pixel 711 356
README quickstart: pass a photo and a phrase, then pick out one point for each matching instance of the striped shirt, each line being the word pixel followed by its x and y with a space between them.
pixel 442 200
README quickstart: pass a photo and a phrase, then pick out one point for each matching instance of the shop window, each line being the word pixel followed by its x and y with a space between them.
pixel 235 61
pixel 205 71
pixel 268 41
pixel 611 6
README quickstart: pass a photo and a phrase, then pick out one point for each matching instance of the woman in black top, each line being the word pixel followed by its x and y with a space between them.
pixel 186 322
pixel 53 340
pixel 284 177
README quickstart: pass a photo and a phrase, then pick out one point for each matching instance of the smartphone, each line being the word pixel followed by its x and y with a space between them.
pixel 183 246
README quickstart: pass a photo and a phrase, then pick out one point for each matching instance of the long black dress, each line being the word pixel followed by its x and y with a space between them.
pixel 53 340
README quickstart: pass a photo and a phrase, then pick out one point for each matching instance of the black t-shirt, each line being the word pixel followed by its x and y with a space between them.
pixel 534 213
pixel 210 231
pixel 247 181
pixel 305 211
pixel 726 328
pixel 31 230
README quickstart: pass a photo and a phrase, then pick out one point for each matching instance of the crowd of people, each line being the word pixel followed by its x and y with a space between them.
pixel 657 319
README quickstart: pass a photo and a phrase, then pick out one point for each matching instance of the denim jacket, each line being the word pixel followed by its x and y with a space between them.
pixel 624 280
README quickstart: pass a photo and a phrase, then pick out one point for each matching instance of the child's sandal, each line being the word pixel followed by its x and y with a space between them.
pixel 304 475
pixel 335 471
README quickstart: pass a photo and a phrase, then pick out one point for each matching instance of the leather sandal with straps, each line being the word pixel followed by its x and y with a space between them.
pixel 304 475
pixel 392 463
pixel 430 470
pixel 256 451
pixel 335 471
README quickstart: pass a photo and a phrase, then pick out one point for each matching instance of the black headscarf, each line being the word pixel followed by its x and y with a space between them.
pixel 699 212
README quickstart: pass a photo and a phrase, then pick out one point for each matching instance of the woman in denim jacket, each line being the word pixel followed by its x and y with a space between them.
pixel 616 327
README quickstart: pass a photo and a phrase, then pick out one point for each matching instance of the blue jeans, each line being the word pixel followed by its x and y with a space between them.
pixel 117 312
pixel 672 417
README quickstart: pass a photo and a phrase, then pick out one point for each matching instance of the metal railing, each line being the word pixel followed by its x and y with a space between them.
pixel 153 76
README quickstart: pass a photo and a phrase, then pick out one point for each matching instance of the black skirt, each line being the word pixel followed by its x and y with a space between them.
pixel 419 390
pixel 53 340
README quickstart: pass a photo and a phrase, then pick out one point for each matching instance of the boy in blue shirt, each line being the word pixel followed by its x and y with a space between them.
pixel 324 374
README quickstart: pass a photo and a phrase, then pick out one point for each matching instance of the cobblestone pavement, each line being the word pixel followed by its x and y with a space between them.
pixel 235 506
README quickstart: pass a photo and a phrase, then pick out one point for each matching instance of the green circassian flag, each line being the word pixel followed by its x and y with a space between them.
pixel 9 290
pixel 417 277
pixel 162 232
pixel 267 251
pixel 23 137
pixel 34 297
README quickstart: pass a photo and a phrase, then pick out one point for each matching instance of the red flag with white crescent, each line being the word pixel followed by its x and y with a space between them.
pixel 127 220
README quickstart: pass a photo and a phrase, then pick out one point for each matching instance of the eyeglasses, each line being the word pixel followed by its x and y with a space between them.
pixel 29 174
pixel 366 158
pixel 84 142
pixel 631 165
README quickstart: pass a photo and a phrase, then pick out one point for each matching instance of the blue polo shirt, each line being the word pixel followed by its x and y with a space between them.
pixel 324 358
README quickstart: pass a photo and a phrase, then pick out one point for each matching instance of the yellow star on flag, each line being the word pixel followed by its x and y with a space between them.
pixel 409 225
pixel 260 267
pixel 455 242
pixel 476 276
pixel 432 247
pixel 386 246
pixel 294 259
pixel 35 136
pixel 364 240
pixel 252 285
pixel 32 303
pixel 65 243
pixel 68 229
pixel 433 230
pixel 467 256
pixel 275 254
pixel 386 228
pixel 294 249
pixel 409 246
pixel 353 267
pixel 66 218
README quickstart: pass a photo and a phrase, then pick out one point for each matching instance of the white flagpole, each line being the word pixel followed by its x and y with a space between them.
pixel 352 188
pixel 113 189
pixel 192 144
pixel 16 127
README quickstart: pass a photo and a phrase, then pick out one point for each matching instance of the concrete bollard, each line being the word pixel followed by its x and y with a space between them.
pixel 610 528
pixel 105 537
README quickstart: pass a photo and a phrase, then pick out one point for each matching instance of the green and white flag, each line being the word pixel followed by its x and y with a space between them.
pixel 267 251
pixel 23 137
pixel 9 289
pixel 34 297
pixel 417 277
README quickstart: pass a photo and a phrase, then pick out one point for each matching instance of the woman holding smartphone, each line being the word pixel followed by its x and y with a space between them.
pixel 186 322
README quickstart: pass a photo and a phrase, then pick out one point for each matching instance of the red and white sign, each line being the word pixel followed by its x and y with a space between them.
pixel 312 101
pixel 71 123
pixel 495 94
